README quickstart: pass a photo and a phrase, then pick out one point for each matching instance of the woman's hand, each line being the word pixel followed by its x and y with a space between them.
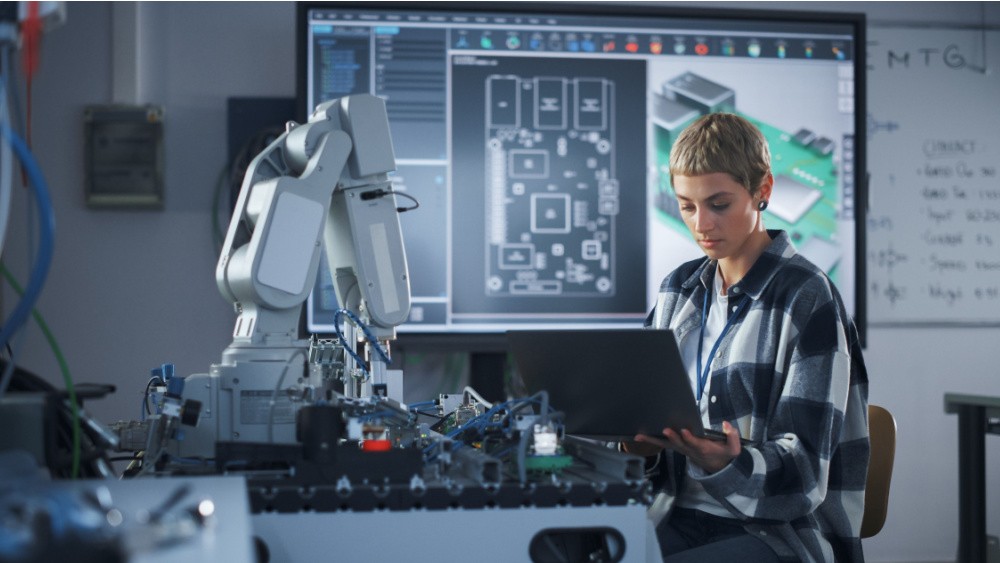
pixel 710 455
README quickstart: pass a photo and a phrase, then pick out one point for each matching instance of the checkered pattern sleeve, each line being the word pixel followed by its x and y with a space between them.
pixel 791 378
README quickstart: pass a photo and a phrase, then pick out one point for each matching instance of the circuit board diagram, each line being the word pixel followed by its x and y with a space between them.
pixel 550 227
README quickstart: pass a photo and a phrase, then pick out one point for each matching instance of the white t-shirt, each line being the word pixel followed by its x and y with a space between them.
pixel 692 494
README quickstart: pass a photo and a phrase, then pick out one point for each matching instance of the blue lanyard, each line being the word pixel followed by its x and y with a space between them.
pixel 703 376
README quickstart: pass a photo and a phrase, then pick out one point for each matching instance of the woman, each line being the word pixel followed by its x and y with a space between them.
pixel 774 360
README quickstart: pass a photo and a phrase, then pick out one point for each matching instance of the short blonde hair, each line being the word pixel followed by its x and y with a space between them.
pixel 722 142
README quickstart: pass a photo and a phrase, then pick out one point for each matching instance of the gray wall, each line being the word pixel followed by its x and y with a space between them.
pixel 130 290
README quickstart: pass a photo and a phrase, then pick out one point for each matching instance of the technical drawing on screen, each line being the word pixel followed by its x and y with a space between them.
pixel 537 144
pixel 553 174
pixel 541 240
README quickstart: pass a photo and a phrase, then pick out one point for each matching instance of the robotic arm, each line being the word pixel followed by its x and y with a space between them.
pixel 323 183
pixel 327 178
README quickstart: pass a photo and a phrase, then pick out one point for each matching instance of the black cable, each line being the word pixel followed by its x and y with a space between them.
pixel 437 426
pixel 145 394
pixel 430 414
pixel 415 205
pixel 380 192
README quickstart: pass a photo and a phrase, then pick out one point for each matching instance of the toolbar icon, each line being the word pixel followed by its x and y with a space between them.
pixel 536 43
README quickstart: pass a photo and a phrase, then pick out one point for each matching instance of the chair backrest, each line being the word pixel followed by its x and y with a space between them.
pixel 882 436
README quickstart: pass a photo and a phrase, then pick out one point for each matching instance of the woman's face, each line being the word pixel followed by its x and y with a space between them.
pixel 720 213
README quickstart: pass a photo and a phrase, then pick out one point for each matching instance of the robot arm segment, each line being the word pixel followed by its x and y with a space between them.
pixel 278 265
pixel 327 178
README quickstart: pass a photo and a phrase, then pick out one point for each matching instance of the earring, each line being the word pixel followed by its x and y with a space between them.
pixel 762 205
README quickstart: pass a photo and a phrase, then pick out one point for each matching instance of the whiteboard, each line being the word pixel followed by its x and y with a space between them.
pixel 934 190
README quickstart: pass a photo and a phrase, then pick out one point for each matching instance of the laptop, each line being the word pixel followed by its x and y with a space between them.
pixel 610 384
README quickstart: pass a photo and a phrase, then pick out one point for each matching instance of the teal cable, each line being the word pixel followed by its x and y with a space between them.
pixel 63 366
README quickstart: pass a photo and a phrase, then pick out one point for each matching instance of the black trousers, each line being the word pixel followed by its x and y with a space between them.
pixel 696 536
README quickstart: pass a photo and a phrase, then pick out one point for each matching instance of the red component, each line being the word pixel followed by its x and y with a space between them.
pixel 31 33
pixel 701 49
pixel 376 445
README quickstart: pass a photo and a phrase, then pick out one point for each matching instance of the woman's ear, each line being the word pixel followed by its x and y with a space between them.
pixel 766 186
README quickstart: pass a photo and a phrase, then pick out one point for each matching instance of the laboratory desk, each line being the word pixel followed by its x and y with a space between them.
pixel 977 416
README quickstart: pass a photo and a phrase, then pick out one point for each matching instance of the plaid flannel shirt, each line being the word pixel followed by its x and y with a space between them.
pixel 791 377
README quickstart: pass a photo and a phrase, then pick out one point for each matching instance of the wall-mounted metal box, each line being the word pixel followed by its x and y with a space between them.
pixel 124 156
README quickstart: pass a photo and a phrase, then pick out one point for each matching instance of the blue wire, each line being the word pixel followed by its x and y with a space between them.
pixel 416 406
pixel 45 248
pixel 343 342
pixel 376 414
pixel 364 328
pixel 482 422
pixel 502 452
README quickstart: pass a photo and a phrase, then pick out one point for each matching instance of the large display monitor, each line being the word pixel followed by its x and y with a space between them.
pixel 536 138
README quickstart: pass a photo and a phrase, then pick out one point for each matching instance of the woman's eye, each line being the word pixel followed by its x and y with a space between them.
pixel 720 206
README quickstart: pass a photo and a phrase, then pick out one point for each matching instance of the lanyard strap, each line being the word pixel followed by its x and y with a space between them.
pixel 703 376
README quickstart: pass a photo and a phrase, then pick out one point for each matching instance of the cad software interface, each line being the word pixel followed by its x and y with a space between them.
pixel 538 147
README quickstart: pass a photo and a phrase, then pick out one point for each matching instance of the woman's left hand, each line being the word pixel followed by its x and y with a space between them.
pixel 710 455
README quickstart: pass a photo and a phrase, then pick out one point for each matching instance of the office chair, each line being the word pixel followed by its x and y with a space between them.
pixel 882 436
